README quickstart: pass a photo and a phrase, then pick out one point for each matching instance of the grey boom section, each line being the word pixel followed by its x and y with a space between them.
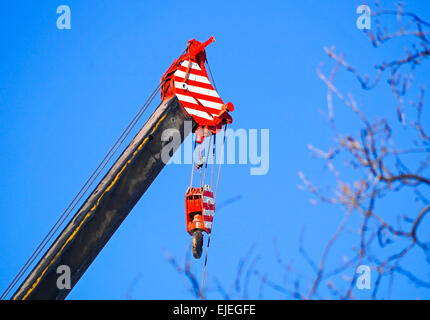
pixel 108 205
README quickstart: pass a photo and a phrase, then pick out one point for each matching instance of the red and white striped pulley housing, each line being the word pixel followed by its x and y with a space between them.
pixel 188 80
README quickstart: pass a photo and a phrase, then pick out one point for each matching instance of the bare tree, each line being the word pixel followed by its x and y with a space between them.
pixel 383 168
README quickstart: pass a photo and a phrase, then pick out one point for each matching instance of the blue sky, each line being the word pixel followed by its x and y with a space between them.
pixel 66 95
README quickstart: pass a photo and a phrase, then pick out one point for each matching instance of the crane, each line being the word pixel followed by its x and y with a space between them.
pixel 187 94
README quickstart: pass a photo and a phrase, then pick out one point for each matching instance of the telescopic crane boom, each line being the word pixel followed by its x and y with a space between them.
pixel 105 209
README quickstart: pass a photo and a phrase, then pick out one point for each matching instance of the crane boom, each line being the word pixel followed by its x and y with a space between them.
pixel 107 206
pixel 187 94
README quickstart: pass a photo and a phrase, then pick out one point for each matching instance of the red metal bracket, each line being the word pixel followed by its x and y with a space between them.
pixel 188 80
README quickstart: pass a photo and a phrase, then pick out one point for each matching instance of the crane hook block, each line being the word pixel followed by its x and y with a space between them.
pixel 199 209
pixel 188 80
